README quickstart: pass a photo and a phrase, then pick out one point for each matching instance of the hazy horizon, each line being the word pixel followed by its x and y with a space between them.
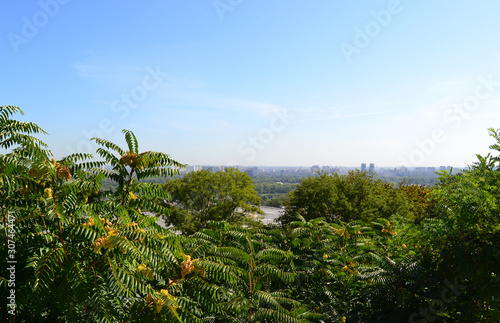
pixel 259 83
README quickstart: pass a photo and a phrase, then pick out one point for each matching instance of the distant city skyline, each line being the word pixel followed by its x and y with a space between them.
pixel 389 82
pixel 315 167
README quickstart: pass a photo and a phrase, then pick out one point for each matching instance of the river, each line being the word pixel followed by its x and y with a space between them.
pixel 271 213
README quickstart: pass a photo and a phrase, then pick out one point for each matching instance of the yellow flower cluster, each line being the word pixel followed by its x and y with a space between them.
pixel 159 302
pixel 41 170
pixel 102 242
pixel 128 159
pixel 111 231
pixel 47 192
pixel 104 221
pixel 350 268
pixel 89 223
pixel 389 229
pixel 148 272
pixel 187 266
pixel 63 172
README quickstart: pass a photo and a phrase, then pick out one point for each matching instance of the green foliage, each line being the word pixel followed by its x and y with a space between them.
pixel 275 201
pixel 350 248
pixel 419 202
pixel 356 196
pixel 463 243
pixel 79 253
pixel 273 190
pixel 204 196
pixel 14 133
pixel 258 274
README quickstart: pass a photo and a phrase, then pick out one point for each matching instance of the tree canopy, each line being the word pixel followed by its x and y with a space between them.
pixel 204 196
pixel 355 196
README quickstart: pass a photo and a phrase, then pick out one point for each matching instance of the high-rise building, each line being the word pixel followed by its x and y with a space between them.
pixel 193 168
pixel 252 171
pixel 402 171
pixel 363 167
pixel 372 168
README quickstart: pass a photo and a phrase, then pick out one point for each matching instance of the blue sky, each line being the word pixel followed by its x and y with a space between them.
pixel 281 82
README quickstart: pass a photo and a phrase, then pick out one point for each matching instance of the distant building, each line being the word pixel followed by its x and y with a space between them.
pixel 402 171
pixel 372 168
pixel 193 168
pixel 363 167
pixel 420 170
pixel 252 171
pixel 315 169
pixel 430 170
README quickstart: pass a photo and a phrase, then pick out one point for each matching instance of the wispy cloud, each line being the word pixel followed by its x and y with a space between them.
pixel 339 116
pixel 199 96
pixel 106 70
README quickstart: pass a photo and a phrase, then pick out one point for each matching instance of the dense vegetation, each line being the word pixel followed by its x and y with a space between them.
pixel 203 197
pixel 347 248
